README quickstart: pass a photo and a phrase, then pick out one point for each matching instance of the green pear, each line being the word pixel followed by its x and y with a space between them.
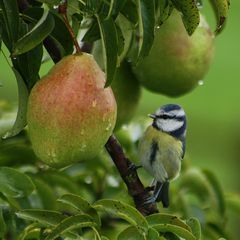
pixel 177 61
pixel 70 113
pixel 127 92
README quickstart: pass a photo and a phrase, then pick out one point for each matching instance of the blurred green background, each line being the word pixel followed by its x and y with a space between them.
pixel 213 111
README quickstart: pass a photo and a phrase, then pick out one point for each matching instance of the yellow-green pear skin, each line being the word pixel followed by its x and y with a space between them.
pixel 177 61
pixel 127 92
pixel 70 113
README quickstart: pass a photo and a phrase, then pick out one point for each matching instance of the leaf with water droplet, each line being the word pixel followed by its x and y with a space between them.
pixel 200 82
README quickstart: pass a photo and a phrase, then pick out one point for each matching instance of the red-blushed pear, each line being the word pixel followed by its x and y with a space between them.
pixel 177 62
pixel 70 113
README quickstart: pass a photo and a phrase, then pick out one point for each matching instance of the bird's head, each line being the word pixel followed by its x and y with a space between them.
pixel 171 119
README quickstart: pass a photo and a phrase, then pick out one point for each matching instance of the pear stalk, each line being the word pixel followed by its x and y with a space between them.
pixel 62 9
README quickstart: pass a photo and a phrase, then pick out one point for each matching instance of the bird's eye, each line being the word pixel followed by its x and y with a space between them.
pixel 164 116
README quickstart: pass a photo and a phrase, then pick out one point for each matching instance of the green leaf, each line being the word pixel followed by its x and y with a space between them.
pixel 81 205
pixel 45 193
pixel 195 181
pixel 71 223
pixel 0 34
pixel 233 202
pixel 34 37
pixel 164 218
pixel 32 231
pixel 181 232
pixel 45 217
pixel 11 21
pixel 76 202
pixel 114 7
pixel 122 210
pixel 131 233
pixel 118 6
pixel 110 47
pixel 60 180
pixel 221 8
pixel 104 238
pixel 28 64
pixel 191 15
pixel 153 234
pixel 59 33
pixel 166 8
pixel 3 227
pixel 93 33
pixel 129 10
pixel 195 226
pixel 146 23
pixel 14 183
pixel 127 32
pixel 216 187
pixel 21 120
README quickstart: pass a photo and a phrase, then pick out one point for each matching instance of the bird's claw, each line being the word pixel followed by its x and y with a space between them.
pixel 133 167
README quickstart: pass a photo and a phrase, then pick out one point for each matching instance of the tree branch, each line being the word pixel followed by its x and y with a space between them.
pixel 129 175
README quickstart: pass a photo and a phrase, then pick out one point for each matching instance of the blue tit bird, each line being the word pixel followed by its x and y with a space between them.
pixel 162 148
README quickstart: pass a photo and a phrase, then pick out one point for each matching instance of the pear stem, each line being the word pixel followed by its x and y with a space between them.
pixel 128 172
pixel 62 9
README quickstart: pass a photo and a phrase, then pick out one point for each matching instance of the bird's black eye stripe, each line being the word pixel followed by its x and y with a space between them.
pixel 165 116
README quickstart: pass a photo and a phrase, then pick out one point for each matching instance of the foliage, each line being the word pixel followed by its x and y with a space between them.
pixel 88 199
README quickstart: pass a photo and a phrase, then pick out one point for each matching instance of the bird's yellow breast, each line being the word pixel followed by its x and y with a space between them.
pixel 167 160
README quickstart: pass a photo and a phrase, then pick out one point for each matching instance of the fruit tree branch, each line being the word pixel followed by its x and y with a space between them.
pixel 129 175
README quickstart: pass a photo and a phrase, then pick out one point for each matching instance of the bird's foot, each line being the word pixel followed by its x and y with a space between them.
pixel 133 167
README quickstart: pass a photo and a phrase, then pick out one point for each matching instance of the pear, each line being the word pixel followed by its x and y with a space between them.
pixel 70 113
pixel 177 61
pixel 127 92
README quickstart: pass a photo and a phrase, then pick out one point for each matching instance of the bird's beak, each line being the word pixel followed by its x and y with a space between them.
pixel 153 116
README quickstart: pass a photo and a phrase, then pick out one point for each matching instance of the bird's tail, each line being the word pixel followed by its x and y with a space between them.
pixel 163 194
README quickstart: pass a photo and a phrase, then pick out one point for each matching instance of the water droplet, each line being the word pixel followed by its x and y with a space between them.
pixel 88 179
pixel 108 127
pixel 199 4
pixel 83 147
pixel 82 132
pixel 55 7
pixel 157 27
pixel 104 117
pixel 94 103
pixel 200 82
pixel 112 181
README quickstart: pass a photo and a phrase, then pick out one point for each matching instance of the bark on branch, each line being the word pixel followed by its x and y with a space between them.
pixel 129 175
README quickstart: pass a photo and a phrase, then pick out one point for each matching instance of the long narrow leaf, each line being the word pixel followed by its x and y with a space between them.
pixel 110 47
pixel 34 37
pixel 11 20
pixel 71 223
pixel 146 19
pixel 21 120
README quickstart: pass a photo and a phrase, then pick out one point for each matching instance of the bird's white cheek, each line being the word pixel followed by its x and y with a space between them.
pixel 170 125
